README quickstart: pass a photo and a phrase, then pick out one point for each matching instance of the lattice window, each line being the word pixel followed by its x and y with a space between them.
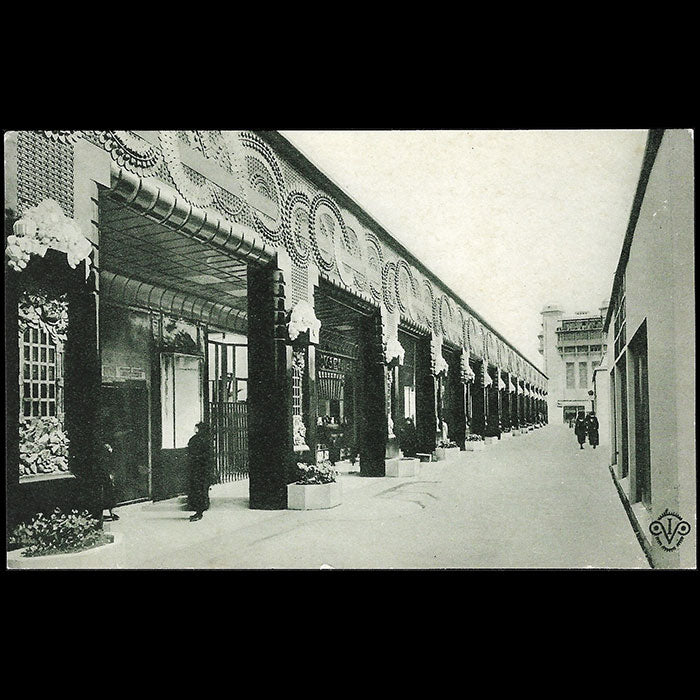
pixel 297 378
pixel 300 284
pixel 44 171
pixel 42 374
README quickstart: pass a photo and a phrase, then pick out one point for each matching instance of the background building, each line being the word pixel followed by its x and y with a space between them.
pixel 647 379
pixel 572 346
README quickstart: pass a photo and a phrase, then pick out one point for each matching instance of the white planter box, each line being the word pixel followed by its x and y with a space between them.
pixel 313 496
pixel 474 445
pixel 505 435
pixel 490 440
pixel 16 560
pixel 446 453
pixel 523 431
pixel 402 467
pixel 515 432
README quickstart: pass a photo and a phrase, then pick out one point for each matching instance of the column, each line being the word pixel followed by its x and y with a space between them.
pixel 426 416
pixel 374 380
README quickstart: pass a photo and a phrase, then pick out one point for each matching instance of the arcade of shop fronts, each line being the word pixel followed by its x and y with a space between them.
pixel 158 279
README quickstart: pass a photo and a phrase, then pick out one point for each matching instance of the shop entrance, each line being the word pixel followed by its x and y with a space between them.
pixel 182 291
pixel 124 422
pixel 338 383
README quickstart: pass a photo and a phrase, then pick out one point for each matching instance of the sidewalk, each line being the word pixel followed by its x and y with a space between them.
pixel 532 501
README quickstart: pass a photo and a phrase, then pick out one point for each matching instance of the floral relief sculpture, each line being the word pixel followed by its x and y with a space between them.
pixel 42 227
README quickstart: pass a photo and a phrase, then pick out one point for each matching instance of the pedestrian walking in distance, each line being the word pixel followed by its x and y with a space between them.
pixel 592 429
pixel 580 428
pixel 199 477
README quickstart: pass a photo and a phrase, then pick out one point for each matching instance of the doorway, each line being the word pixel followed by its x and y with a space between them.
pixel 642 447
pixel 125 425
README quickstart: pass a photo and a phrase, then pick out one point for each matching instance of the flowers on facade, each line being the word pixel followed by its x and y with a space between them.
pixel 301 319
pixel 473 437
pixel 445 444
pixel 441 365
pixel 42 227
pixel 43 446
pixel 467 373
pixel 394 349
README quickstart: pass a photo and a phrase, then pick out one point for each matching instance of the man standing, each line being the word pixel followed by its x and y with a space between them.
pixel 200 466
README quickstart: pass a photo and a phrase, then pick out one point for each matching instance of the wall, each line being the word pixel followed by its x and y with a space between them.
pixel 659 289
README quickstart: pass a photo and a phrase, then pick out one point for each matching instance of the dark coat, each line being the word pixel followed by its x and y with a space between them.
pixel 200 461
pixel 106 476
pixel 592 429
pixel 580 429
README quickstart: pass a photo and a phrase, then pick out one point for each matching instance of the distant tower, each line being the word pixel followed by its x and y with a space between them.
pixel 551 319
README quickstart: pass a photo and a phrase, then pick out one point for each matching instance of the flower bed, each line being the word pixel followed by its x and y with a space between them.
pixel 59 533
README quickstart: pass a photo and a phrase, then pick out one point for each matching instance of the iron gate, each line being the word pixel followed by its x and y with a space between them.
pixel 229 429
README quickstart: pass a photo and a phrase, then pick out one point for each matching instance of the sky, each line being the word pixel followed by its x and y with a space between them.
pixel 510 220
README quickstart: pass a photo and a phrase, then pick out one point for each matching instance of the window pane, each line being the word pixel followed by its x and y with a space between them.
pixel 188 398
pixel 35 353
pixel 27 372
pixel 242 361
pixel 42 372
pixel 44 392
pixel 166 401
pixel 35 390
pixel 27 389
pixel 43 408
pixel 242 393
pixel 35 371
pixel 570 379
pixel 43 354
pixel 583 375
pixel 52 355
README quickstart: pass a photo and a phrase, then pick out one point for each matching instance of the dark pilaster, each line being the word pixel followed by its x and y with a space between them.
pixel 270 442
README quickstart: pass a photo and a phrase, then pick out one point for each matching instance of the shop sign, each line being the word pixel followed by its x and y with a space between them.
pixel 330 362
pixel 111 373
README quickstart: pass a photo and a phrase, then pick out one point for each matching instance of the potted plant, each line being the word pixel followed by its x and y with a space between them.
pixel 315 488
pixel 474 443
pixel 446 449
pixel 491 433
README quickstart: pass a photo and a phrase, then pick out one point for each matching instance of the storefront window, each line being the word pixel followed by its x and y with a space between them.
pixel 43 324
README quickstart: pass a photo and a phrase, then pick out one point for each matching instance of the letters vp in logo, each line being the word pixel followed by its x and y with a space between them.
pixel 669 530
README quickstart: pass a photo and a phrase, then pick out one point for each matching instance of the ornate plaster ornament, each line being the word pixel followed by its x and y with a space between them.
pixel 466 372
pixel 394 349
pixel 299 434
pixel 42 227
pixel 487 377
pixel 301 319
pixel 501 383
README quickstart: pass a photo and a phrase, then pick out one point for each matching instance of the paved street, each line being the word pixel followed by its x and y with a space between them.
pixel 532 501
